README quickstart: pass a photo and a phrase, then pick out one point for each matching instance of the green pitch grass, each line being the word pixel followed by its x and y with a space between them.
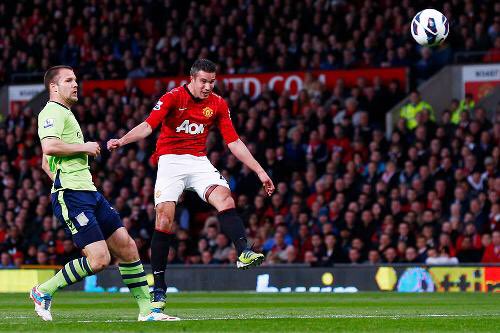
pixel 250 312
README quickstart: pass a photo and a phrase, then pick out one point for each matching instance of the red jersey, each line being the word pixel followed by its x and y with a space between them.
pixel 186 121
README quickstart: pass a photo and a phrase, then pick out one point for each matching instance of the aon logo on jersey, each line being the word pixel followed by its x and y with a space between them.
pixel 190 128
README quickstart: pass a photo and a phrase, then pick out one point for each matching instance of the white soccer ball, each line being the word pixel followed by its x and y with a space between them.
pixel 429 27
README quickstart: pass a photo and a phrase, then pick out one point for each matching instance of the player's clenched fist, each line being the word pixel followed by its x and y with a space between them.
pixel 92 148
pixel 113 144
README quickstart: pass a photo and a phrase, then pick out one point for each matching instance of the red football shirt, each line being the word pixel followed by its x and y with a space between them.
pixel 186 121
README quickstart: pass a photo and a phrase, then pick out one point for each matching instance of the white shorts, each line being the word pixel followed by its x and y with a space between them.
pixel 177 173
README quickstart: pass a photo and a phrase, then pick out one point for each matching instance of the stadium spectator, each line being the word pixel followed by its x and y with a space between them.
pixel 493 54
pixel 467 253
pixel 410 256
pixel 411 111
pixel 333 253
pixel 373 258
pixel 222 249
pixel 465 105
pixel 390 255
pixel 440 258
pixel 492 251
pixel 6 260
pixel 354 256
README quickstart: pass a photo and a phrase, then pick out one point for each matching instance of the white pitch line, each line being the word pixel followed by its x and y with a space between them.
pixel 270 317
pixel 340 316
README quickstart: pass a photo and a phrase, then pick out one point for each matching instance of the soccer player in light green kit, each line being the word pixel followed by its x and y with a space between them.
pixel 95 226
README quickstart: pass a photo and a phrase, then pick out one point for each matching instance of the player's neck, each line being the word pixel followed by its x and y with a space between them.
pixel 191 90
pixel 60 101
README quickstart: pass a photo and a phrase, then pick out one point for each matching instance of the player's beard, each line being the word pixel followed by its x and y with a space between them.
pixel 72 99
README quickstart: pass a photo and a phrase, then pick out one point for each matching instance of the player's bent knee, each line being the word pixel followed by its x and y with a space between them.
pixel 165 217
pixel 100 261
pixel 130 252
pixel 227 203
pixel 164 222
pixel 127 251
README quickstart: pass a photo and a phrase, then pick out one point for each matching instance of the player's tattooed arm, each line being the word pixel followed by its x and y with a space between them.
pixel 46 167
pixel 135 134
pixel 240 150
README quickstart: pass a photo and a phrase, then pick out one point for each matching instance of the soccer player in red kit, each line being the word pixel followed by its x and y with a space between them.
pixel 186 114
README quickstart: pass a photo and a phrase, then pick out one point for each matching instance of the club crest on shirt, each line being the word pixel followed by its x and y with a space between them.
pixel 157 194
pixel 48 123
pixel 208 112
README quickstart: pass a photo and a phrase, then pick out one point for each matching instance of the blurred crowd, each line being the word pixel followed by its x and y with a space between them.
pixel 429 193
pixel 124 38
pixel 345 192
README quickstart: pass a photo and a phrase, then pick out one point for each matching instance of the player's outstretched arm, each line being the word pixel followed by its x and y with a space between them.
pixel 55 147
pixel 46 167
pixel 240 150
pixel 135 134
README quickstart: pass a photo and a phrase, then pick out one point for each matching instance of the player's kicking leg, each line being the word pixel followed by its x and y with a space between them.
pixel 232 225
pixel 97 258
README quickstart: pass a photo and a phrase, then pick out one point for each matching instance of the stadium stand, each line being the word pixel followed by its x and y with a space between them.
pixel 153 38
pixel 427 194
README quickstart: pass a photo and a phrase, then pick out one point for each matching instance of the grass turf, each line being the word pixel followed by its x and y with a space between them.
pixel 250 312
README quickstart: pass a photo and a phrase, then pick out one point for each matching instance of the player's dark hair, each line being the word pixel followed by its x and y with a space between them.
pixel 203 65
pixel 51 73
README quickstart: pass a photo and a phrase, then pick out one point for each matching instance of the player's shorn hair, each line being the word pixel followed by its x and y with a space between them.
pixel 51 74
pixel 202 65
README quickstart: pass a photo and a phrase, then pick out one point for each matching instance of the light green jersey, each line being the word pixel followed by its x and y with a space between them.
pixel 71 172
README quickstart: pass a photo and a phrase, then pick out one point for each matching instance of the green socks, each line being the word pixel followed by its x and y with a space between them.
pixel 74 271
pixel 135 279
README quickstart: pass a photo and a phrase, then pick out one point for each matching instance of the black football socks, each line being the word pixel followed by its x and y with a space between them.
pixel 160 246
pixel 232 226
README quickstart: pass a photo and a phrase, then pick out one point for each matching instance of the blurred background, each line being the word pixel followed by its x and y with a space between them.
pixel 382 151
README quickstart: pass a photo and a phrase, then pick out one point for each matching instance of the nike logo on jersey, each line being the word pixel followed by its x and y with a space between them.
pixel 182 109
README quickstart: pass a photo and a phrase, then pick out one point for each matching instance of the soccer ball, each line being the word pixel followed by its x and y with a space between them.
pixel 429 27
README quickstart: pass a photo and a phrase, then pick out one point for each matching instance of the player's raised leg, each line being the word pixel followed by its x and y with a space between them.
pixel 232 225
pixel 96 259
pixel 163 237
pixel 123 247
